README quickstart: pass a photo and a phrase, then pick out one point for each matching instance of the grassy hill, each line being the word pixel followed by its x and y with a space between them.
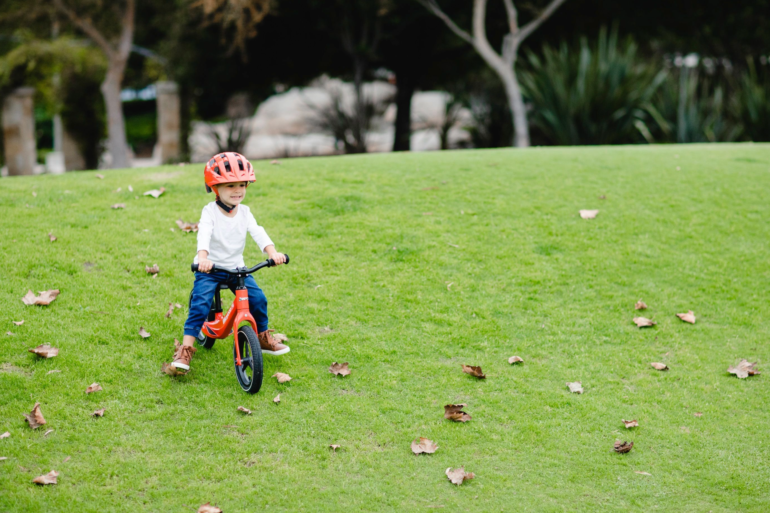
pixel 406 266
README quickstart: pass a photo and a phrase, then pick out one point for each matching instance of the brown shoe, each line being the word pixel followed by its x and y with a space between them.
pixel 270 345
pixel 182 356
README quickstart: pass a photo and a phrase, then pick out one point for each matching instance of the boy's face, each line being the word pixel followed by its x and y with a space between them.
pixel 232 193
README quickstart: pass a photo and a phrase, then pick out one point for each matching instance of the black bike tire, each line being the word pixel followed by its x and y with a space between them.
pixel 245 335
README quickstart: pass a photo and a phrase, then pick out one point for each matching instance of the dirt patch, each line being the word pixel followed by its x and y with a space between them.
pixel 12 369
pixel 90 266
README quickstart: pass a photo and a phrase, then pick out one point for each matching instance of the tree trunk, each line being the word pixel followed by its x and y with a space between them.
pixel 518 109
pixel 116 129
pixel 405 86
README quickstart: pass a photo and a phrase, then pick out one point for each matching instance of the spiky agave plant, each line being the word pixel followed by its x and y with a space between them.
pixel 597 94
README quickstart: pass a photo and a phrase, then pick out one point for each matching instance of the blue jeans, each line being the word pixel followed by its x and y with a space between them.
pixel 203 295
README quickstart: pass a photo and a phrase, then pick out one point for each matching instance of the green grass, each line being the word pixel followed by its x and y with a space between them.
pixel 529 278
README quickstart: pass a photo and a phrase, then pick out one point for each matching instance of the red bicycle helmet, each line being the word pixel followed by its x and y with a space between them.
pixel 228 167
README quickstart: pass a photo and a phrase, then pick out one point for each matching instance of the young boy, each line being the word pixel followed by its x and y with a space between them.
pixel 221 240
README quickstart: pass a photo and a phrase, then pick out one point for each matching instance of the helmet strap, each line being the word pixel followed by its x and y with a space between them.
pixel 225 207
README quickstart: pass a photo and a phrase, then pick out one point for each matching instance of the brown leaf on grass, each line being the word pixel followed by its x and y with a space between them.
pixel 644 322
pixel 18 323
pixel 275 162
pixel 588 214
pixel 659 366
pixel 334 447
pixel 687 317
pixel 623 447
pixel 171 307
pixel 454 412
pixel 49 478
pixel 277 399
pixel 9 333
pixel 99 176
pixel 515 359
pixel 280 337
pixel 35 417
pixel 51 236
pixel 171 370
pixel 458 475
pixel 642 473
pixel 339 369
pixel 45 297
pixel 118 205
pixel 423 445
pixel 698 414
pixel 155 193
pixel 152 270
pixel 474 371
pixel 575 387
pixel 3 458
pixel 66 459
pixel 208 508
pixel 52 371
pixel 744 369
pixel 630 423
pixel 5 435
pixel 98 413
pixel 187 227
pixel 130 189
pixel 244 410
pixel 45 351
pixel 93 387
pixel 34 194
pixel 640 305
pixel 143 332
pixel 48 432
pixel 281 377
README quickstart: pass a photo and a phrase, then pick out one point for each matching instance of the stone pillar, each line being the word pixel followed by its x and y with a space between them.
pixel 19 132
pixel 167 98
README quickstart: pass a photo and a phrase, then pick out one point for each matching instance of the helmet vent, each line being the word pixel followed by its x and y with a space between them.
pixel 227 165
pixel 240 164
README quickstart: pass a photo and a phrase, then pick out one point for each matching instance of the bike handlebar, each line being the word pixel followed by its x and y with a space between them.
pixel 241 270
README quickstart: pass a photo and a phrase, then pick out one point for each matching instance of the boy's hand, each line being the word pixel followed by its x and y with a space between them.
pixel 278 258
pixel 205 265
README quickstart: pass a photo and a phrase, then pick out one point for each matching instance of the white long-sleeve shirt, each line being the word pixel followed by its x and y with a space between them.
pixel 225 237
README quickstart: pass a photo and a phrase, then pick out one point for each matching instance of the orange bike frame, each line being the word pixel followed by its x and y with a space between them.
pixel 222 326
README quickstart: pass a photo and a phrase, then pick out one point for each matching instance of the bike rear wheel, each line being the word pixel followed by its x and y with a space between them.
pixel 249 374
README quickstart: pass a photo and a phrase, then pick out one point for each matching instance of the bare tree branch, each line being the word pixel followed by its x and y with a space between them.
pixel 513 17
pixel 480 36
pixel 86 27
pixel 534 24
pixel 433 7
pixel 127 35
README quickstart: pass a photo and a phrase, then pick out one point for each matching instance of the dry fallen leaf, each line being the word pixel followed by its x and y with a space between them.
pixel 9 333
pixel 280 337
pixel 515 359
pixel 171 307
pixel 630 423
pixel 281 377
pixel 244 410
pixel 18 323
pixel 339 369
pixel 688 317
pixel 35 417
pixel 424 446
pixel 34 194
pixel 52 371
pixel 45 351
pixel 100 177
pixel 335 447
pixel 274 162
pixel 152 270
pixel 5 435
pixel 98 413
pixel 458 475
pixel 473 371
pixel 155 193
pixel 66 459
pixel 51 236
pixel 642 473
pixel 644 322
pixel 640 305
pixel 208 508
pixel 3 458
pixel 744 369
pixel 118 205
pixel 187 227
pixel 454 412
pixel 588 214
pixel 45 297
pixel 575 387
pixel 622 447
pixel 130 189
pixel 93 387
pixel 48 432
pixel 171 370
pixel 49 478
pixel 659 366
pixel 143 333
pixel 698 414
pixel 277 399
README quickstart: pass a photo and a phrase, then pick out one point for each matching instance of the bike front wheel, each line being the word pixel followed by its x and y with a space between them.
pixel 249 374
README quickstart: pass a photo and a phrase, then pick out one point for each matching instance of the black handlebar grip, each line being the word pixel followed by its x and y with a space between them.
pixel 271 262
pixel 194 268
